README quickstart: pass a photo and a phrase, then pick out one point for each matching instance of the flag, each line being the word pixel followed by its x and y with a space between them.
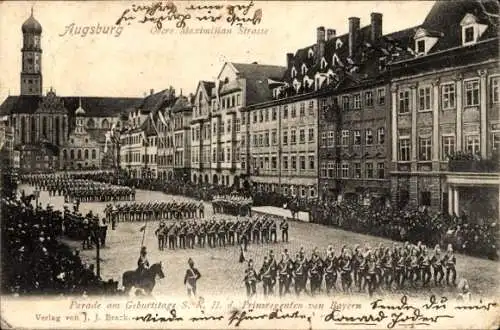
pixel 160 115
pixel 143 228
pixel 153 123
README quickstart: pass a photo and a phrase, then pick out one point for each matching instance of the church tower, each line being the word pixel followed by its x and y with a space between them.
pixel 31 71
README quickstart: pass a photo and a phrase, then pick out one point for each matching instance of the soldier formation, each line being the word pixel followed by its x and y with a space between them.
pixel 154 210
pixel 232 204
pixel 219 233
pixel 90 229
pixel 82 190
pixel 382 268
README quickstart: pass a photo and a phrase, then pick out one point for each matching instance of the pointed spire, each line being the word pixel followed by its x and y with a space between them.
pixel 79 102
pixel 31 10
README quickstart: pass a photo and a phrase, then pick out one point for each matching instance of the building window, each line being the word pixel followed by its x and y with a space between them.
pixel 323 139
pixel 261 140
pixel 380 170
pixel 311 108
pixel 331 138
pixel 274 114
pixel 424 98
pixel 404 102
pixel 294 111
pixel 302 109
pixel 311 135
pixel 238 125
pixel 261 116
pixel 254 117
pixel 404 149
pixel 293 136
pixel 322 171
pixel 345 170
pixel 425 149
pixel 243 162
pixel 368 136
pixel 345 137
pixel 266 139
pixel 79 153
pixel 345 103
pixel 472 93
pixel 448 147
pixel 381 96
pixel 369 170
pixel 469 34
pixel 356 101
pixel 274 137
pixel 357 137
pixel 285 162
pixel 285 138
pixel 274 163
pixel 86 154
pixel 472 143
pixel 331 169
pixel 357 170
pixel 293 161
pixel 302 136
pixel 285 111
pixel 221 128
pixel 261 161
pixel 495 141
pixel 302 162
pixel 495 89
pixel 266 115
pixel 369 98
pixel 448 96
pixel 421 47
pixel 381 135
pixel 312 163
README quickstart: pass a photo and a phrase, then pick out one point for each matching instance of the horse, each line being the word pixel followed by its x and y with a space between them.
pixel 146 282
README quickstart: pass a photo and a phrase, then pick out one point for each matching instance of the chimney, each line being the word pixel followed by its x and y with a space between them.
pixel 331 34
pixel 353 34
pixel 320 43
pixel 289 59
pixel 376 27
pixel 151 91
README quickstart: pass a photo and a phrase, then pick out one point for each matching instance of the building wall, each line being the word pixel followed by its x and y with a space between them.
pixel 354 142
pixel 470 123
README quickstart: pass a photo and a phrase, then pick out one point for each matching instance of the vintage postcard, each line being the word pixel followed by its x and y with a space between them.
pixel 249 164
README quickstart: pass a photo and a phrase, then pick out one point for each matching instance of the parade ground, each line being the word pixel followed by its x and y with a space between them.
pixel 222 274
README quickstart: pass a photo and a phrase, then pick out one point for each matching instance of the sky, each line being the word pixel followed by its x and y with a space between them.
pixel 140 59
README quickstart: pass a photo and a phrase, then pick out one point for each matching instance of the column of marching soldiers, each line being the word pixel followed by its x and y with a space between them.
pixel 365 270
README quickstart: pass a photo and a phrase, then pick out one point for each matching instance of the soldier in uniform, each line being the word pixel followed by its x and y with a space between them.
pixel 190 235
pixel 450 263
pixel 285 269
pixel 330 272
pixel 182 235
pixel 266 274
pixel 315 273
pixel 160 234
pixel 273 230
pixel 251 279
pixel 202 234
pixel 437 261
pixel 142 262
pixel 191 277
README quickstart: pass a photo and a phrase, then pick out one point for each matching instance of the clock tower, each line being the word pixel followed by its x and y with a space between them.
pixel 31 71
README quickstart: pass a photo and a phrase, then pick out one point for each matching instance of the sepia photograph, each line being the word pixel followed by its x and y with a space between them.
pixel 250 164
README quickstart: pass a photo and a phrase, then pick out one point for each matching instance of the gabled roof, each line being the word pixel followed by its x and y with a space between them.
pixel 259 71
pixel 182 104
pixel 208 86
pixel 93 106
pixel 156 101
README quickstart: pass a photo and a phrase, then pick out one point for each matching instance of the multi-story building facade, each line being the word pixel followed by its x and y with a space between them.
pixel 201 133
pixel 238 85
pixel 355 116
pixel 445 109
pixel 181 115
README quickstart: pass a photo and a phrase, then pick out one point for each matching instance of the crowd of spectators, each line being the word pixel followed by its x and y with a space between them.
pixel 412 224
pixel 36 262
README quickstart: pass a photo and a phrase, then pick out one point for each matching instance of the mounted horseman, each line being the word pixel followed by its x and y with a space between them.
pixel 144 276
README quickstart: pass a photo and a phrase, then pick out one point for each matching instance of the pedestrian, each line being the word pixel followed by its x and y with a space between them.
pixel 191 277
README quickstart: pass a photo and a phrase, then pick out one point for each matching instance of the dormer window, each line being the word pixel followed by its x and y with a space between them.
pixel 471 29
pixel 421 47
pixel 336 61
pixel 294 72
pixel 323 63
pixel 304 69
pixel 338 44
pixel 310 54
pixel 382 62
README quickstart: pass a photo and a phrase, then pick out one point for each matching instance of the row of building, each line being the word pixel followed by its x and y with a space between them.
pixel 361 115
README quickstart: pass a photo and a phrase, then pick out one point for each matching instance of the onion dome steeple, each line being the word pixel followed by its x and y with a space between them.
pixel 31 25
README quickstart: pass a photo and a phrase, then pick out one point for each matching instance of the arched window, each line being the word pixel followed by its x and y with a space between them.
pixel 72 154
pixel 65 154
pixel 90 123
pixel 105 124
pixel 23 130
pixel 79 153
pixel 57 130
pixel 94 154
pixel 44 127
pixel 86 154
